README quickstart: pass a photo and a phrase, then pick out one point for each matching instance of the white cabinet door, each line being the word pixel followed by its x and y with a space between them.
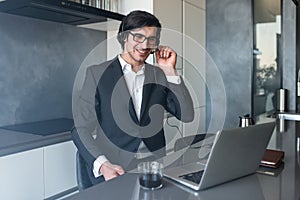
pixel 169 13
pixel 60 168
pixel 21 176
pixel 195 64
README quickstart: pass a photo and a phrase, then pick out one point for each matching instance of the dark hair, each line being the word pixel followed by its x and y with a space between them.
pixel 137 19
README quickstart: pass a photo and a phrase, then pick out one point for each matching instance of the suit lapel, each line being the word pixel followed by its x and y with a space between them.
pixel 122 89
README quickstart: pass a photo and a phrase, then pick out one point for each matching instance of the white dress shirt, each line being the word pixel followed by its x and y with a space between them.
pixel 134 82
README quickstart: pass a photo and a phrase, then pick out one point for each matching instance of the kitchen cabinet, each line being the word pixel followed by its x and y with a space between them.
pixel 22 175
pixel 39 173
pixel 194 53
pixel 59 168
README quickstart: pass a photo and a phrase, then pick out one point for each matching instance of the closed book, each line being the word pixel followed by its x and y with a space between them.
pixel 272 158
pixel 271 171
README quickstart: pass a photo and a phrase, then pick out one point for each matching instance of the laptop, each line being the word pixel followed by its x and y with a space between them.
pixel 235 153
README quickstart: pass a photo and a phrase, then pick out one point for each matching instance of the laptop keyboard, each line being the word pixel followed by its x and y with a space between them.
pixel 193 177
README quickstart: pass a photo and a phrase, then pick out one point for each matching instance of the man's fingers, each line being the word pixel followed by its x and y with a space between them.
pixel 119 169
pixel 111 176
pixel 164 52
pixel 111 171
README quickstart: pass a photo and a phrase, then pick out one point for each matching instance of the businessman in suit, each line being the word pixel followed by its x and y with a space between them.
pixel 119 110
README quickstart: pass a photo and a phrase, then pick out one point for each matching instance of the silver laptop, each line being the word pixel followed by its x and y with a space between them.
pixel 235 153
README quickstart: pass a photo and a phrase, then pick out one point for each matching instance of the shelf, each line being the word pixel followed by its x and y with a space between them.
pixel 61 11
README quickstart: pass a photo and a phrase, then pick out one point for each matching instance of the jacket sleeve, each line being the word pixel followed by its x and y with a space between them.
pixel 179 102
pixel 86 124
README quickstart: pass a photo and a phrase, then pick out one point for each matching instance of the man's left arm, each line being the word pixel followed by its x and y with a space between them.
pixel 179 101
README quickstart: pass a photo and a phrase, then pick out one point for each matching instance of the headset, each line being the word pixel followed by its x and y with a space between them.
pixel 121 35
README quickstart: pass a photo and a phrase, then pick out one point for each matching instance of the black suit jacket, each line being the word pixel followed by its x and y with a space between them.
pixel 105 119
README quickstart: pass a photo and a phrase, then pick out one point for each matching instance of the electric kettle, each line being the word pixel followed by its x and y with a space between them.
pixel 246 120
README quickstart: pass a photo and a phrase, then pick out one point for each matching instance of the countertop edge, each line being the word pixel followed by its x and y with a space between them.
pixel 38 143
pixel 289 116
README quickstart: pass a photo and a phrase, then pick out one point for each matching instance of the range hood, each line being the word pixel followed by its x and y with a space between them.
pixel 62 11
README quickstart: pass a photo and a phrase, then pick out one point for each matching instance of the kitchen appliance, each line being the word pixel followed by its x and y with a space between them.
pixel 43 128
pixel 62 11
pixel 246 120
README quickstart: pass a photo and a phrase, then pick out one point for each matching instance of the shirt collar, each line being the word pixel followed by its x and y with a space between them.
pixel 126 67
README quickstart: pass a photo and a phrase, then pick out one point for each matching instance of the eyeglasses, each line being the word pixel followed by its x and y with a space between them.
pixel 140 38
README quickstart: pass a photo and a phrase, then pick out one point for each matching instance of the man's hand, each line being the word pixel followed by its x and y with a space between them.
pixel 110 171
pixel 166 60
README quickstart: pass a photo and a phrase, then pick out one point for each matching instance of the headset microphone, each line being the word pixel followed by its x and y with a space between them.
pixel 154 50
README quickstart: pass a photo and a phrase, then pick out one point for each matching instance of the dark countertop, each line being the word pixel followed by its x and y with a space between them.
pixel 127 185
pixel 23 137
pixel 283 184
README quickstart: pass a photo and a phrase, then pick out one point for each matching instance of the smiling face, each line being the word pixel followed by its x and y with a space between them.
pixel 135 53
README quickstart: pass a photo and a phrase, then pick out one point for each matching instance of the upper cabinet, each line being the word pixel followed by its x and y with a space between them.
pixel 63 11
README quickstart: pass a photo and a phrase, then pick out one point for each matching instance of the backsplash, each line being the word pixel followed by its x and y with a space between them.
pixel 39 61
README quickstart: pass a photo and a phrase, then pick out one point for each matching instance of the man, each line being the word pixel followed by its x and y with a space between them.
pixel 119 110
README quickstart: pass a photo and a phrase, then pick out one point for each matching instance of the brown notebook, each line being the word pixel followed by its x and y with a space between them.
pixel 272 158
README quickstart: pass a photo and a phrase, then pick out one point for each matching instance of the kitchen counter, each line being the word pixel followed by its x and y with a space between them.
pixel 292 116
pixel 23 137
pixel 280 184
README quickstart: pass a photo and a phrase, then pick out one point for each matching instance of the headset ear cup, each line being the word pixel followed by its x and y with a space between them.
pixel 121 38
pixel 121 35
